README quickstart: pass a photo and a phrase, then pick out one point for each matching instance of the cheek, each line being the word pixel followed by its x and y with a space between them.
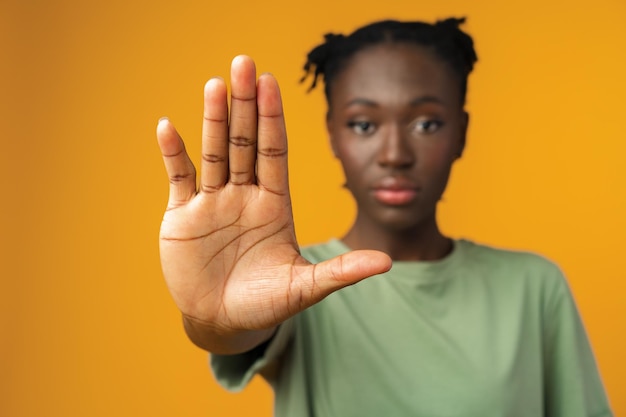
pixel 355 157
pixel 352 166
pixel 436 162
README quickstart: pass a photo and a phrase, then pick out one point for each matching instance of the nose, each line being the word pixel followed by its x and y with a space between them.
pixel 395 149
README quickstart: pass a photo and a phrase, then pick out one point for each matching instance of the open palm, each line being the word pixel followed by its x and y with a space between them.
pixel 228 247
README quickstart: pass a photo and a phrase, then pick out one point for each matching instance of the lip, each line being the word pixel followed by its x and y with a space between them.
pixel 395 191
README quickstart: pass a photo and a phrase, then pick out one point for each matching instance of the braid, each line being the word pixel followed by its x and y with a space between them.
pixel 444 38
pixel 320 56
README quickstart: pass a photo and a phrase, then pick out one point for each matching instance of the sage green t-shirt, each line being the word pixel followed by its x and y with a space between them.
pixel 483 332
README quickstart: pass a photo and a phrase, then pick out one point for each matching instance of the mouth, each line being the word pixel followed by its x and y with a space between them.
pixel 395 191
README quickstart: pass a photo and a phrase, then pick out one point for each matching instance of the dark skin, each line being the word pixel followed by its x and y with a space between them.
pixel 396 122
pixel 228 248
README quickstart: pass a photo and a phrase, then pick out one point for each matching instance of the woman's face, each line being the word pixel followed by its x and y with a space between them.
pixel 397 124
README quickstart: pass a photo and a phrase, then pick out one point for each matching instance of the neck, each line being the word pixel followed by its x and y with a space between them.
pixel 420 243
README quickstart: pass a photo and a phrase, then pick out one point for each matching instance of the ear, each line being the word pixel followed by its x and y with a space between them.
pixel 465 118
pixel 331 137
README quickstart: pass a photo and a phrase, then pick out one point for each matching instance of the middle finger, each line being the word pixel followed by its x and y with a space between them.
pixel 243 122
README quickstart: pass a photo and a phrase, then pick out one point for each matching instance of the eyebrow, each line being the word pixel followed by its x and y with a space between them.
pixel 425 99
pixel 415 102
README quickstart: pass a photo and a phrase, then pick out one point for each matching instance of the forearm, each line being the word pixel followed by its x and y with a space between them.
pixel 207 338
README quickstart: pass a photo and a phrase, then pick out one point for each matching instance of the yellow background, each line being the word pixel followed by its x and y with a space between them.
pixel 87 325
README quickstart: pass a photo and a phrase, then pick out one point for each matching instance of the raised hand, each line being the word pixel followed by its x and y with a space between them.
pixel 228 247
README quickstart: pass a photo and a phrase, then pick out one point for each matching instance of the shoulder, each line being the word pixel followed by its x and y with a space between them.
pixel 513 267
pixel 516 273
pixel 494 257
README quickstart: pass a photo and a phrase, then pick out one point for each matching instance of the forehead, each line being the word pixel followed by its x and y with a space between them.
pixel 395 72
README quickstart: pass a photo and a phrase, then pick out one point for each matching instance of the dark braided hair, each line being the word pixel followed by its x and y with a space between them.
pixel 444 38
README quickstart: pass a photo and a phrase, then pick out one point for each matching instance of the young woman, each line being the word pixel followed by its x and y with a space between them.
pixel 445 328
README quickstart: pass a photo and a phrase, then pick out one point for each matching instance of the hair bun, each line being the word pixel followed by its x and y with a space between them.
pixel 451 22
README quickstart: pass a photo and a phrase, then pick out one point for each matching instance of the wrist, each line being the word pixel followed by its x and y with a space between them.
pixel 221 341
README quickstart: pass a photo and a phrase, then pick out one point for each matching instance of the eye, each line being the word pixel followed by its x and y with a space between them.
pixel 427 125
pixel 362 128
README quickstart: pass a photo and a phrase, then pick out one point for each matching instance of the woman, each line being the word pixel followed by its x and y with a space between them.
pixel 446 328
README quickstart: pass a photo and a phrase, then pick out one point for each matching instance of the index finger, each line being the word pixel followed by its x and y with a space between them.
pixel 214 172
pixel 271 138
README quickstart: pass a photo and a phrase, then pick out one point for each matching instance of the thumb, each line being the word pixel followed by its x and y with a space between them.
pixel 342 271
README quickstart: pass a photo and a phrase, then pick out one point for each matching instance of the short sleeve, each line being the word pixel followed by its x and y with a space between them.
pixel 573 387
pixel 234 372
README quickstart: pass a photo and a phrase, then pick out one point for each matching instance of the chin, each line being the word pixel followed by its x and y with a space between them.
pixel 402 222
